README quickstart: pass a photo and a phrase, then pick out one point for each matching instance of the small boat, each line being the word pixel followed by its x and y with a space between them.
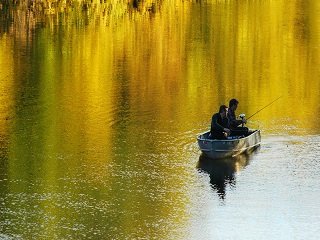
pixel 231 147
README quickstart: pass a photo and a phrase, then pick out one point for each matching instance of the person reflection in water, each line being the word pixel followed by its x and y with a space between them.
pixel 219 124
pixel 222 172
pixel 234 122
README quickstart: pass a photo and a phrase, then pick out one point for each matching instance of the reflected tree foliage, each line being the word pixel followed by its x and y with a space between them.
pixel 27 15
pixel 94 92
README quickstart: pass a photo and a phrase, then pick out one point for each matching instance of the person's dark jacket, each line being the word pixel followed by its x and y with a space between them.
pixel 233 122
pixel 217 125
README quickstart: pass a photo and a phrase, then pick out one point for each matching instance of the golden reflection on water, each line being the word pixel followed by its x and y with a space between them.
pixel 6 84
pixel 100 99
pixel 228 50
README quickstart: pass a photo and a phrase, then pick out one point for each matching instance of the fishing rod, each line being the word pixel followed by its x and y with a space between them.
pixel 264 107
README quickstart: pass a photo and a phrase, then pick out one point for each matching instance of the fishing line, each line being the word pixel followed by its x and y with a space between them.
pixel 264 107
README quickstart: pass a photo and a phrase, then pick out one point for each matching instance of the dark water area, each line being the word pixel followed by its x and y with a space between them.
pixel 101 104
pixel 222 172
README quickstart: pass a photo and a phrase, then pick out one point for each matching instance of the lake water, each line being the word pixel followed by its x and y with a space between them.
pixel 101 104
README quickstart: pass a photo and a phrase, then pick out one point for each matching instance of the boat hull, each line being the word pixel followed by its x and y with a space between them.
pixel 215 149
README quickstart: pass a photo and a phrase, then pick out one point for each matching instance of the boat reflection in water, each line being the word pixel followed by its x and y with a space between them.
pixel 222 172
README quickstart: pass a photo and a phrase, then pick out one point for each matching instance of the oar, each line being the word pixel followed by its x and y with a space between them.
pixel 264 107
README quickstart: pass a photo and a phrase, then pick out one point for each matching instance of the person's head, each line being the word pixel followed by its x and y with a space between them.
pixel 223 110
pixel 233 104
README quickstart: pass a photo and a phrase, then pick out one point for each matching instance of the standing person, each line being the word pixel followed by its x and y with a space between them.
pixel 219 124
pixel 233 121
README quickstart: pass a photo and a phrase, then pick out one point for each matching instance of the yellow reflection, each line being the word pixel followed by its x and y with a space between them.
pixel 110 75
pixel 7 87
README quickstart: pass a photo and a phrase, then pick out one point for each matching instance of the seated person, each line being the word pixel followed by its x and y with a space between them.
pixel 219 124
pixel 234 122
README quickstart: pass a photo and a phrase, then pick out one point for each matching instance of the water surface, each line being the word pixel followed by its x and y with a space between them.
pixel 102 103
